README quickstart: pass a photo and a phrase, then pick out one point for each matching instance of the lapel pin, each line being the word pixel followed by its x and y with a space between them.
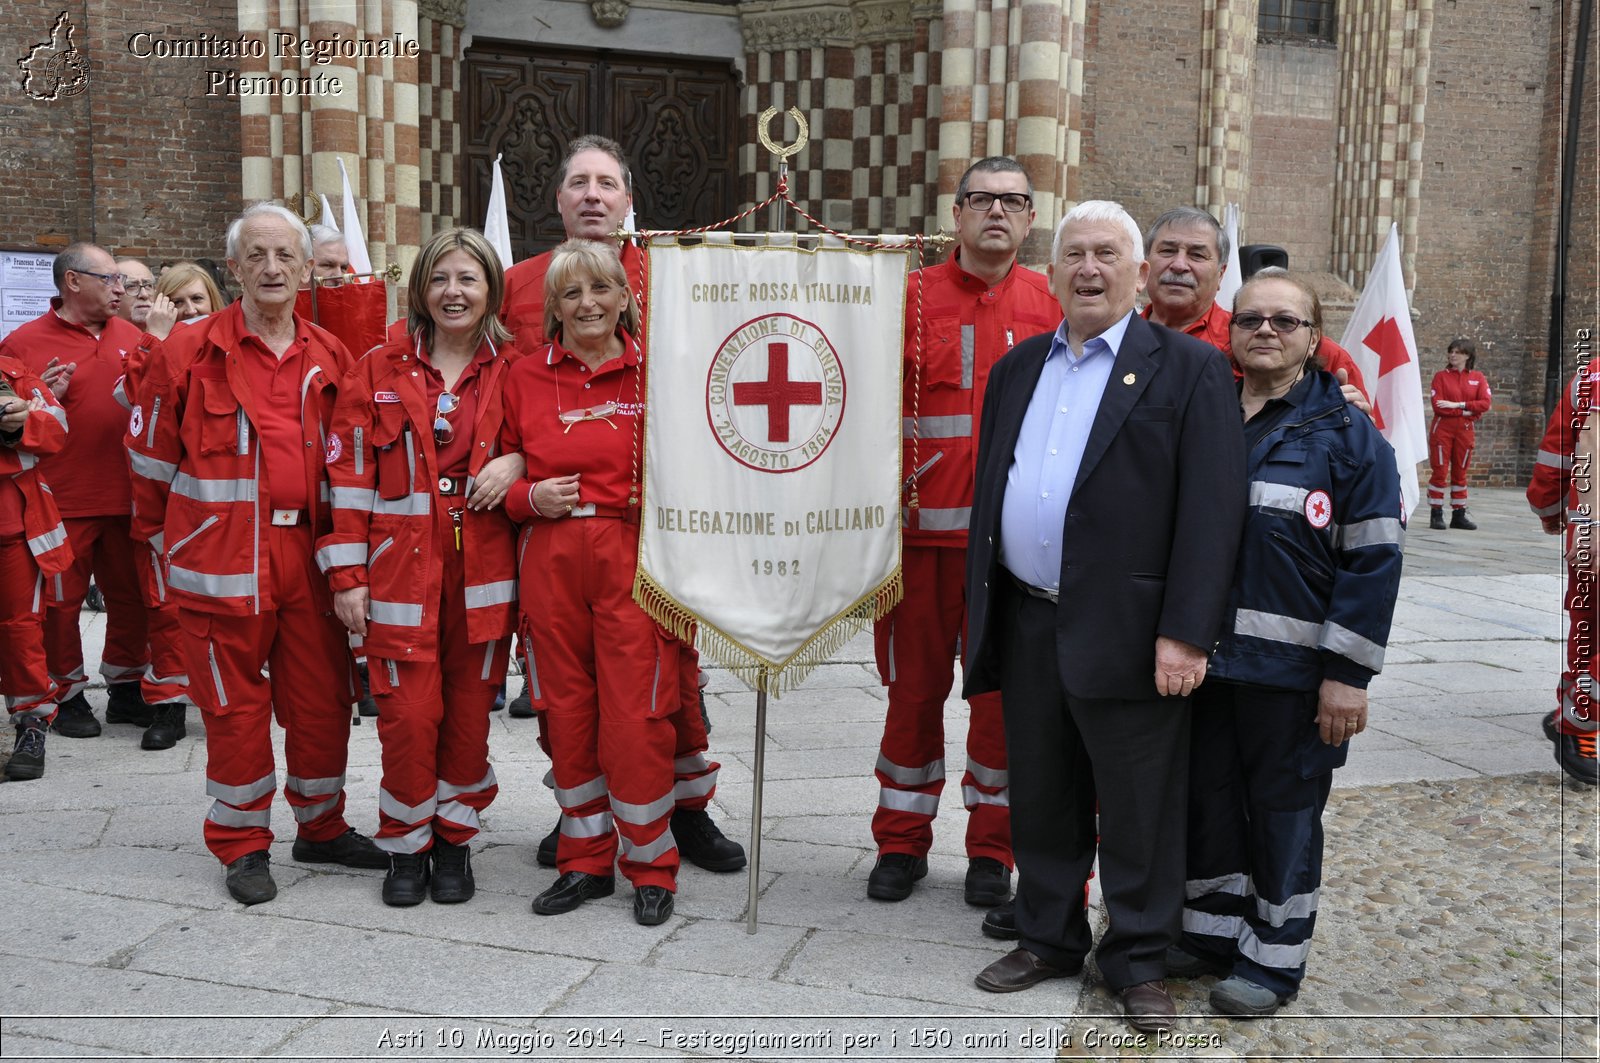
pixel 1129 379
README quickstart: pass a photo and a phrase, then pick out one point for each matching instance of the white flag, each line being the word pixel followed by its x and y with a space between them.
pixel 496 225
pixel 1233 276
pixel 1380 339
pixel 355 239
pixel 327 214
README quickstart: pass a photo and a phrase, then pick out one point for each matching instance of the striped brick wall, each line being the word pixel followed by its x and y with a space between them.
pixel 1384 59
pixel 901 98
pixel 1227 54
pixel 292 144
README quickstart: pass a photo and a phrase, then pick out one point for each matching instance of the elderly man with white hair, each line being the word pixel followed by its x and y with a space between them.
pixel 228 442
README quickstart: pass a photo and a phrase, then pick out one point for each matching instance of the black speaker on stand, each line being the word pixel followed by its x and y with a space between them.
pixel 1254 257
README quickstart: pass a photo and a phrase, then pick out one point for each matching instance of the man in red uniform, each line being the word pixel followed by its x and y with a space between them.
pixel 593 193
pixel 164 685
pixel 33 543
pixel 227 447
pixel 1459 395
pixel 961 316
pixel 1188 253
pixel 77 347
pixel 1571 727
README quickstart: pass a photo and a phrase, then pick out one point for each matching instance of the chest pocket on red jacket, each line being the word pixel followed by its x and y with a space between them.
pixel 391 440
pixel 223 426
pixel 946 352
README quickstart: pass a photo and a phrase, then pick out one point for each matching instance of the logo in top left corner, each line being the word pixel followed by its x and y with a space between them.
pixel 56 68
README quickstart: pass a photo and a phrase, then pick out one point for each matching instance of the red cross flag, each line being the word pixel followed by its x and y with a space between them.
pixel 771 510
pixel 1380 339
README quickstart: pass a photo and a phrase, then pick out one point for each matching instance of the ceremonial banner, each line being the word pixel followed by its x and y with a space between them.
pixel 771 506
pixel 356 313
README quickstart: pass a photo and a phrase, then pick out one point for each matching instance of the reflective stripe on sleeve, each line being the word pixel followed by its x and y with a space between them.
pixel 952 426
pixel 1267 495
pixel 395 614
pixel 955 519
pixel 151 468
pixel 484 595
pixel 207 585
pixel 1379 531
pixel 341 554
pixel 1553 460
pixel 1347 643
pixel 190 486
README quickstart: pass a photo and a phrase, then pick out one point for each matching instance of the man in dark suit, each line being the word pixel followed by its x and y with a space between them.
pixel 1109 501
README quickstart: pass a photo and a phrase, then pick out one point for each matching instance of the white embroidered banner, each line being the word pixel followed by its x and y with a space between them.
pixel 772 447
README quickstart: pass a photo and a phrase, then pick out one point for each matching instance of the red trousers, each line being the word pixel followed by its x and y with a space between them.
pixel 916 650
pixel 1578 691
pixel 433 725
pixel 310 692
pixel 23 675
pixel 1450 452
pixel 165 681
pixel 102 548
pixel 609 678
pixel 694 774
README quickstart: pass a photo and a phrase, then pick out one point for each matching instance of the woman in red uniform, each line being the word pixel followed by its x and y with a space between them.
pixel 1460 395
pixel 604 670
pixel 33 543
pixel 421 558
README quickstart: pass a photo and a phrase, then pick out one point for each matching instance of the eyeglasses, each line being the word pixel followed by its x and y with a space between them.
pixel 1283 324
pixel 1010 202
pixel 111 279
pixel 603 412
pixel 136 287
pixel 443 430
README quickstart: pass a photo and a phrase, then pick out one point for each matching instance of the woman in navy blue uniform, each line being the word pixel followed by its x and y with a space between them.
pixel 1308 618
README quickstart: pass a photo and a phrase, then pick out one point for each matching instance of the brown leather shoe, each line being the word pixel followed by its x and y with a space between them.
pixel 1019 969
pixel 1148 1007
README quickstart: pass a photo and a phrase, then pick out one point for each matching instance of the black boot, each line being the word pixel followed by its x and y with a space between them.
pixel 27 757
pixel 1459 519
pixel 452 874
pixel 167 729
pixel 407 881
pixel 1436 519
pixel 125 704
pixel 75 719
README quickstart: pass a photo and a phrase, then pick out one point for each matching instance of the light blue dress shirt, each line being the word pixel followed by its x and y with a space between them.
pixel 1049 451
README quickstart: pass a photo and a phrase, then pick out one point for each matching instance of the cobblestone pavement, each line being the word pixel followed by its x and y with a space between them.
pixel 1458 919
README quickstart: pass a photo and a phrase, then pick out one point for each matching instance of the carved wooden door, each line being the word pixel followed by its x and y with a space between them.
pixel 676 120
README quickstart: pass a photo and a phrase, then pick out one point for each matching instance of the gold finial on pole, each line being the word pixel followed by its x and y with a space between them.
pixel 313 211
pixel 763 121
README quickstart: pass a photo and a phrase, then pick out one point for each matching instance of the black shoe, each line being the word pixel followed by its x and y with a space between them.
pixel 365 706
pixel 652 905
pixel 75 719
pixel 27 756
pixel 988 882
pixel 571 890
pixel 521 706
pixel 893 875
pixel 452 873
pixel 1436 518
pixel 349 849
pixel 407 881
pixel 1459 519
pixel 1181 963
pixel 546 856
pixel 94 600
pixel 1575 753
pixel 250 878
pixel 167 729
pixel 1000 922
pixel 702 844
pixel 125 704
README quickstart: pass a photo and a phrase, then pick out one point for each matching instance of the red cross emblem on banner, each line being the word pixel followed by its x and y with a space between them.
pixel 778 393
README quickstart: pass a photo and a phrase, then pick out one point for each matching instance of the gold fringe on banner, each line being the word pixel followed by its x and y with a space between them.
pixel 755 670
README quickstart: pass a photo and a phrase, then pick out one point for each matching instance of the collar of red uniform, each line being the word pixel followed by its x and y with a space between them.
pixel 975 282
pixel 630 351
pixel 230 327
pixel 1198 326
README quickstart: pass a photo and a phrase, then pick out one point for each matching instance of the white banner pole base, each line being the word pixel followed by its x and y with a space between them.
pixel 755 803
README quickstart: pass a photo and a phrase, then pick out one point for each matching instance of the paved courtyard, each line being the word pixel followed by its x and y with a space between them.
pixel 1458 918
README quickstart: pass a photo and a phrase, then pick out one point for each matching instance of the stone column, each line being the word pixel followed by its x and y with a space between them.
pixel 1384 58
pixel 1227 55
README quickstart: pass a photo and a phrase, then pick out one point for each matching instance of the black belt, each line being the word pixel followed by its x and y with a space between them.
pixel 452 485
pixel 1053 597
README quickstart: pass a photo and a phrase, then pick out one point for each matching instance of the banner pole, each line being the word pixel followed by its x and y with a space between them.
pixel 755 804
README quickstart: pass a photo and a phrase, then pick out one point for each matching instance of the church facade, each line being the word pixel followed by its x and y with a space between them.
pixel 1325 120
